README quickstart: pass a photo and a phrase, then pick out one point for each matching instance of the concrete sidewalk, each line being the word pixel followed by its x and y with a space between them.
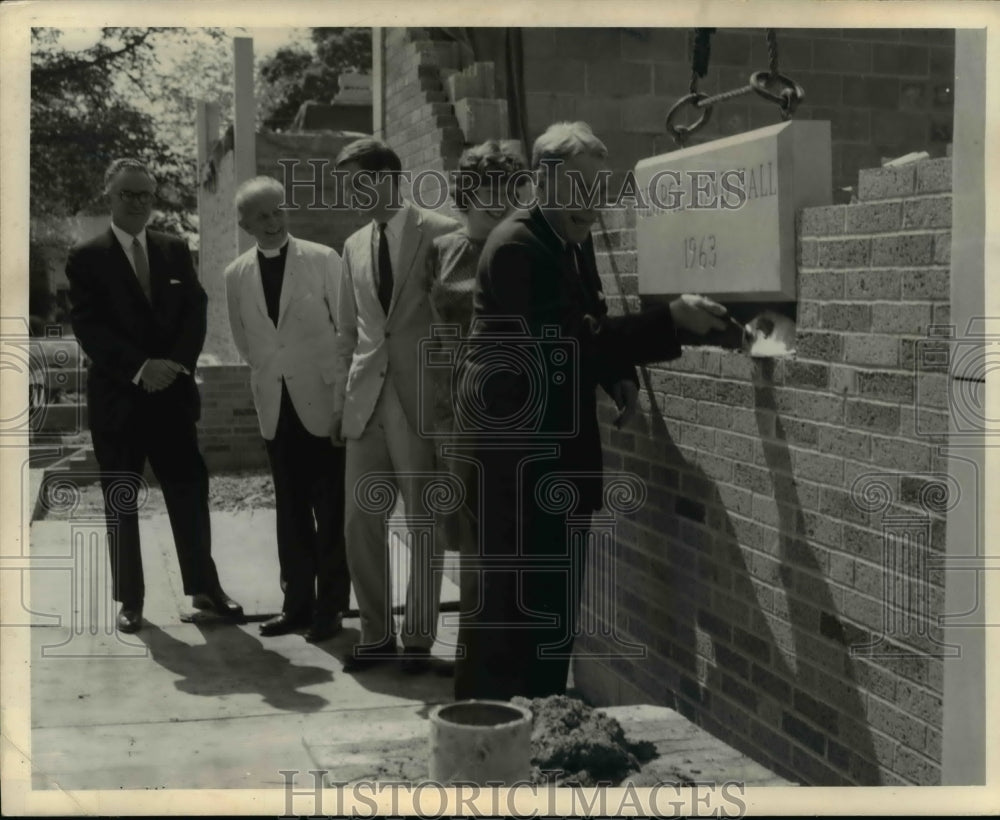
pixel 205 704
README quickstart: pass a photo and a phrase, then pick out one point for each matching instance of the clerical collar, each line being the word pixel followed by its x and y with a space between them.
pixel 271 253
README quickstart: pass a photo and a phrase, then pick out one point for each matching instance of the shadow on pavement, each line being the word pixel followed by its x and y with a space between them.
pixel 233 662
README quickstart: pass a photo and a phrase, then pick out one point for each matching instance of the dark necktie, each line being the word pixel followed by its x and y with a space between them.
pixel 384 270
pixel 141 267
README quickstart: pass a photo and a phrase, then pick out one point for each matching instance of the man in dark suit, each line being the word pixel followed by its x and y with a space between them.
pixel 139 314
pixel 537 437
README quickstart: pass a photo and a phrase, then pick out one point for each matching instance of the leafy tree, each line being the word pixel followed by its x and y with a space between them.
pixel 131 93
pixel 294 75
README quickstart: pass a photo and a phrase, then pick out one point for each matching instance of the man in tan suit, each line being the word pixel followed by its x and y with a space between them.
pixel 384 312
pixel 282 297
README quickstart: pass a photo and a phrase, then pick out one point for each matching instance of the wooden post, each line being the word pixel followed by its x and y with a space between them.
pixel 244 127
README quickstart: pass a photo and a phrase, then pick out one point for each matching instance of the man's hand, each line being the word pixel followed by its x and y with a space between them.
pixel 626 396
pixel 159 374
pixel 698 314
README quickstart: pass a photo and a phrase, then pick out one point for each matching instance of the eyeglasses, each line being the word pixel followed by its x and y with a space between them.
pixel 144 197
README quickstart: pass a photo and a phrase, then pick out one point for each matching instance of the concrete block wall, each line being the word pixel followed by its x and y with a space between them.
pixel 795 507
pixel 886 91
pixel 228 431
pixel 420 122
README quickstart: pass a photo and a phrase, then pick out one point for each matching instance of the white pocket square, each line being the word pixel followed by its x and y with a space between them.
pixel 175 281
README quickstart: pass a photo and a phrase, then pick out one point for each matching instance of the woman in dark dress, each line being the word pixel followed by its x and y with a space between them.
pixel 487 186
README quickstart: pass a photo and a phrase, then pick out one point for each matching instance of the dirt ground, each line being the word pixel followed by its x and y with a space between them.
pixel 227 492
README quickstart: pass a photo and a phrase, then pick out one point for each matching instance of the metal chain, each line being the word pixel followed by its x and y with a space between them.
pixel 761 82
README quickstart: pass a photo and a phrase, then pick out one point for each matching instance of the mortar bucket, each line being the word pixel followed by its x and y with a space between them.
pixel 480 741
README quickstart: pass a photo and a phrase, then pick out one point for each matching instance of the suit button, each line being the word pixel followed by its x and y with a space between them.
pixel 382 374
pixel 387 335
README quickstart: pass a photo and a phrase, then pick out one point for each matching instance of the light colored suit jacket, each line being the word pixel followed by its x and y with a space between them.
pixel 302 348
pixel 372 346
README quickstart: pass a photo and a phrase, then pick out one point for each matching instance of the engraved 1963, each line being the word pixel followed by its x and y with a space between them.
pixel 699 252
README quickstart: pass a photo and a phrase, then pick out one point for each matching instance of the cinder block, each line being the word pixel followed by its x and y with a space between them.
pixel 871 350
pixel 881 217
pixel 903 250
pixel 558 75
pixel 942 248
pixel 848 316
pixel 824 221
pixel 901 60
pixel 827 347
pixel 910 318
pixel 889 386
pixel 926 284
pixel 477 80
pixel 825 284
pixel 900 455
pixel 807 374
pixel 885 183
pixel 869 285
pixel 842 442
pixel 843 253
pixel 934 175
pixel 616 78
pixel 933 212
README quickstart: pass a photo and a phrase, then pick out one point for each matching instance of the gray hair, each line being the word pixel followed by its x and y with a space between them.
pixel 124 164
pixel 253 187
pixel 563 140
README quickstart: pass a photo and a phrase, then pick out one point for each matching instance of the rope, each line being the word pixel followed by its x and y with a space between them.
pixel 772 52
pixel 701 49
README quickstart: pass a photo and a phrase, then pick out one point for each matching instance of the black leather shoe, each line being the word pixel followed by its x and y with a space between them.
pixel 325 627
pixel 416 660
pixel 129 618
pixel 366 655
pixel 283 624
pixel 218 602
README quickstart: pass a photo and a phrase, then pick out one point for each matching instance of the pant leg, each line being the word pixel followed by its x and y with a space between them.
pixel 121 458
pixel 414 463
pixel 365 531
pixel 333 577
pixel 172 448
pixel 495 647
pixel 290 459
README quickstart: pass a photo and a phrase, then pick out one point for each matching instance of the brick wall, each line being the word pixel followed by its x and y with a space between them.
pixel 886 91
pixel 420 121
pixel 778 490
pixel 228 431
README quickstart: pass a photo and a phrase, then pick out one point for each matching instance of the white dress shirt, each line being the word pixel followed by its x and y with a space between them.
pixel 126 239
pixel 394 236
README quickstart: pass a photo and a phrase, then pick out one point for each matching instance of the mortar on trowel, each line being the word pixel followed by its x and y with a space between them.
pixel 767 335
